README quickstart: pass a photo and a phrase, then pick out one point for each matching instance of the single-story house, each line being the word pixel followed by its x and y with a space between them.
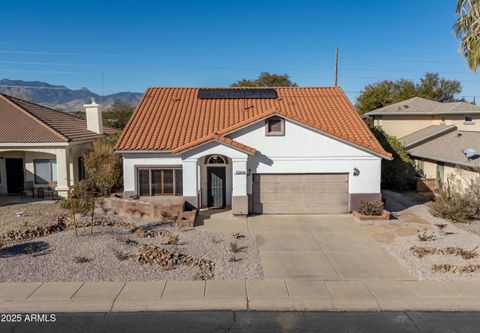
pixel 41 147
pixel 286 150
pixel 441 153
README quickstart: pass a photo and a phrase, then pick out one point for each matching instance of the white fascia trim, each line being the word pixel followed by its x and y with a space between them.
pixel 219 142
pixel 323 158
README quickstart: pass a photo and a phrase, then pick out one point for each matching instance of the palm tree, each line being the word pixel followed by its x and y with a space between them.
pixel 467 30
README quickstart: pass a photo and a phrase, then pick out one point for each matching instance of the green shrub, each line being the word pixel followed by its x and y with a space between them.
pixel 371 208
pixel 64 203
pixel 399 173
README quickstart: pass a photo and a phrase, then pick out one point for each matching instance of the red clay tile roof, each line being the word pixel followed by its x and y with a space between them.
pixel 215 137
pixel 26 122
pixel 168 119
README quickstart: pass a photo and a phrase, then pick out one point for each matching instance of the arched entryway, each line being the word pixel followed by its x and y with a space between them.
pixel 216 180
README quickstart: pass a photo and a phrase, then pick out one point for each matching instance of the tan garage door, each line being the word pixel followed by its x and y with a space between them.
pixel 300 193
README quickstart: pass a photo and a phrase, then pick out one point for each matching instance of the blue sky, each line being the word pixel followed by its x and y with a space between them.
pixel 136 44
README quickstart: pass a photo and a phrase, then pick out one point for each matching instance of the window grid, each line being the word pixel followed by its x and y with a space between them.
pixel 176 183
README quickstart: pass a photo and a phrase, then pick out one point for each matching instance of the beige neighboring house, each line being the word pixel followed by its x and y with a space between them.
pixel 41 148
pixel 442 138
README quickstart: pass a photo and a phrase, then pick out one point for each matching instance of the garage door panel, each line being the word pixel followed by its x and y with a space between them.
pixel 300 193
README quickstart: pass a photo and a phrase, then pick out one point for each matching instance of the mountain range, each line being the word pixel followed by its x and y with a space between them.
pixel 61 97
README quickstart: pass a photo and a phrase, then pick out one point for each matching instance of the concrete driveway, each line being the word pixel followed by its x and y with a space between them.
pixel 314 247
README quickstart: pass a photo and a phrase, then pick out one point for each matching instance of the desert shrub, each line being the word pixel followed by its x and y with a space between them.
pixel 235 248
pixel 81 260
pixel 456 203
pixel 371 208
pixel 103 166
pixel 120 255
pixel 64 204
pixel 399 173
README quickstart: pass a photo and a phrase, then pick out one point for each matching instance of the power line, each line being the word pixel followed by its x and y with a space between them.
pixel 50 63
pixel 404 60
pixel 42 72
pixel 70 54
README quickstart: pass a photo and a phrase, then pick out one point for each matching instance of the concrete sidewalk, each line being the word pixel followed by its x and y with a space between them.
pixel 297 295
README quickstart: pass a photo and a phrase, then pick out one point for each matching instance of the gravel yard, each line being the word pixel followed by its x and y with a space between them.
pixel 23 216
pixel 110 254
pixel 449 238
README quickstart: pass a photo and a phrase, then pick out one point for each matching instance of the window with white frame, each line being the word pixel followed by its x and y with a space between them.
pixel 160 181
pixel 45 171
pixel 275 126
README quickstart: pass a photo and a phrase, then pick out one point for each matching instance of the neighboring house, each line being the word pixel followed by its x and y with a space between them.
pixel 442 154
pixel 403 118
pixel 256 150
pixel 42 147
pixel 436 135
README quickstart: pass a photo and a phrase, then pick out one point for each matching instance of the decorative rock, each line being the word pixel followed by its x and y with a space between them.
pixel 152 254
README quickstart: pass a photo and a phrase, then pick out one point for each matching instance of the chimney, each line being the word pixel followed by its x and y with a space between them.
pixel 94 117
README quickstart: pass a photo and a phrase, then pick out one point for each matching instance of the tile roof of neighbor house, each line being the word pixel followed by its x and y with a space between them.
pixel 449 148
pixel 424 134
pixel 26 122
pixel 173 119
pixel 419 105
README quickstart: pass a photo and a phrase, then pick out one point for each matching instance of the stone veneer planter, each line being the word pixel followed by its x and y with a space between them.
pixel 159 210
pixel 384 216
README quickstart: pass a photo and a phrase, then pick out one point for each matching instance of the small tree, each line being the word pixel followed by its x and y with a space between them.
pixel 103 166
pixel 73 205
pixel 81 201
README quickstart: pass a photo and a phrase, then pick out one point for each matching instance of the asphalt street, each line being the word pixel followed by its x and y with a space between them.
pixel 252 321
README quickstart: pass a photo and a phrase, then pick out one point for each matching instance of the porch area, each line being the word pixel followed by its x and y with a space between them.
pixel 44 173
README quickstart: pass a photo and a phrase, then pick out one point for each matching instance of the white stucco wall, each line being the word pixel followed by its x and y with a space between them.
pixel 303 150
pixel 133 160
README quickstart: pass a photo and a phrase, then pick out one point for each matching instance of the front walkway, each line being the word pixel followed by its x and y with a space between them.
pixel 318 247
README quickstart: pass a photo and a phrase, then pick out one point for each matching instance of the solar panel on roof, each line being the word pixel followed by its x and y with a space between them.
pixel 224 93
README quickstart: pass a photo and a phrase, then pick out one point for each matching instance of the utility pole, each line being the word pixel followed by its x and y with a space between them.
pixel 336 67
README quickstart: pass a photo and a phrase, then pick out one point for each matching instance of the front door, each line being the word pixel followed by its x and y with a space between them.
pixel 216 186
pixel 14 175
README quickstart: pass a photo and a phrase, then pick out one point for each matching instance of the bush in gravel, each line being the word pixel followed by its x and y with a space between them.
pixel 235 248
pixel 371 208
pixel 119 254
pixel 126 240
pixel 81 260
pixel 456 203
